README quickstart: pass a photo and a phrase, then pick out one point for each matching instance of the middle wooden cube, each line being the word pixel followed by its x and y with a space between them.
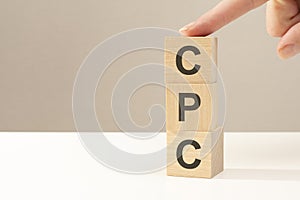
pixel 191 107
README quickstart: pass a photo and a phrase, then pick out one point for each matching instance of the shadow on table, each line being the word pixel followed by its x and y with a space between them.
pixel 260 174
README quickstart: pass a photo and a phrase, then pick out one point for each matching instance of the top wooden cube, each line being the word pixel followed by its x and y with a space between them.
pixel 190 60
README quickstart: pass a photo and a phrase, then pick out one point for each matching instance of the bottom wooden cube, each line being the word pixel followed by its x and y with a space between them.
pixel 195 154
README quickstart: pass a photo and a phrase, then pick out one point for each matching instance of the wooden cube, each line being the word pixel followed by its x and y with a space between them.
pixel 195 154
pixel 190 60
pixel 191 107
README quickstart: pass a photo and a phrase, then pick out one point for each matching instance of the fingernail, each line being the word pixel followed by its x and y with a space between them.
pixel 186 27
pixel 289 51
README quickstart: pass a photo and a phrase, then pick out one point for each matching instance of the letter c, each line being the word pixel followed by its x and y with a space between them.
pixel 179 60
pixel 180 160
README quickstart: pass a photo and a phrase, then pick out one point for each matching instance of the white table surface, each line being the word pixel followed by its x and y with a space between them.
pixel 56 166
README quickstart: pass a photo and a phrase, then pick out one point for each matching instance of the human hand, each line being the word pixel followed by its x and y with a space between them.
pixel 282 20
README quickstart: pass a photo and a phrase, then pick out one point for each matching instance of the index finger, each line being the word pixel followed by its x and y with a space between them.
pixel 222 14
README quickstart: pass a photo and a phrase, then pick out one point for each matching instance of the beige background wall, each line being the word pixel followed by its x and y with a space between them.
pixel 43 42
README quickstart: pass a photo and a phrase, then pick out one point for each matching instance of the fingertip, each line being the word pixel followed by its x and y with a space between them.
pixel 197 28
pixel 288 51
pixel 289 44
pixel 186 29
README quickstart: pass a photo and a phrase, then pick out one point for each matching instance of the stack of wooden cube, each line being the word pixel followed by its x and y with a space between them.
pixel 195 142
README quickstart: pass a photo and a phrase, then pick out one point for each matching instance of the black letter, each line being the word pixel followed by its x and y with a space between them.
pixel 183 107
pixel 179 60
pixel 180 160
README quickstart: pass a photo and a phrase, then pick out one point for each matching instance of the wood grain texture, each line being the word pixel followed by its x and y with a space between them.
pixel 208 53
pixel 210 153
pixel 202 119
